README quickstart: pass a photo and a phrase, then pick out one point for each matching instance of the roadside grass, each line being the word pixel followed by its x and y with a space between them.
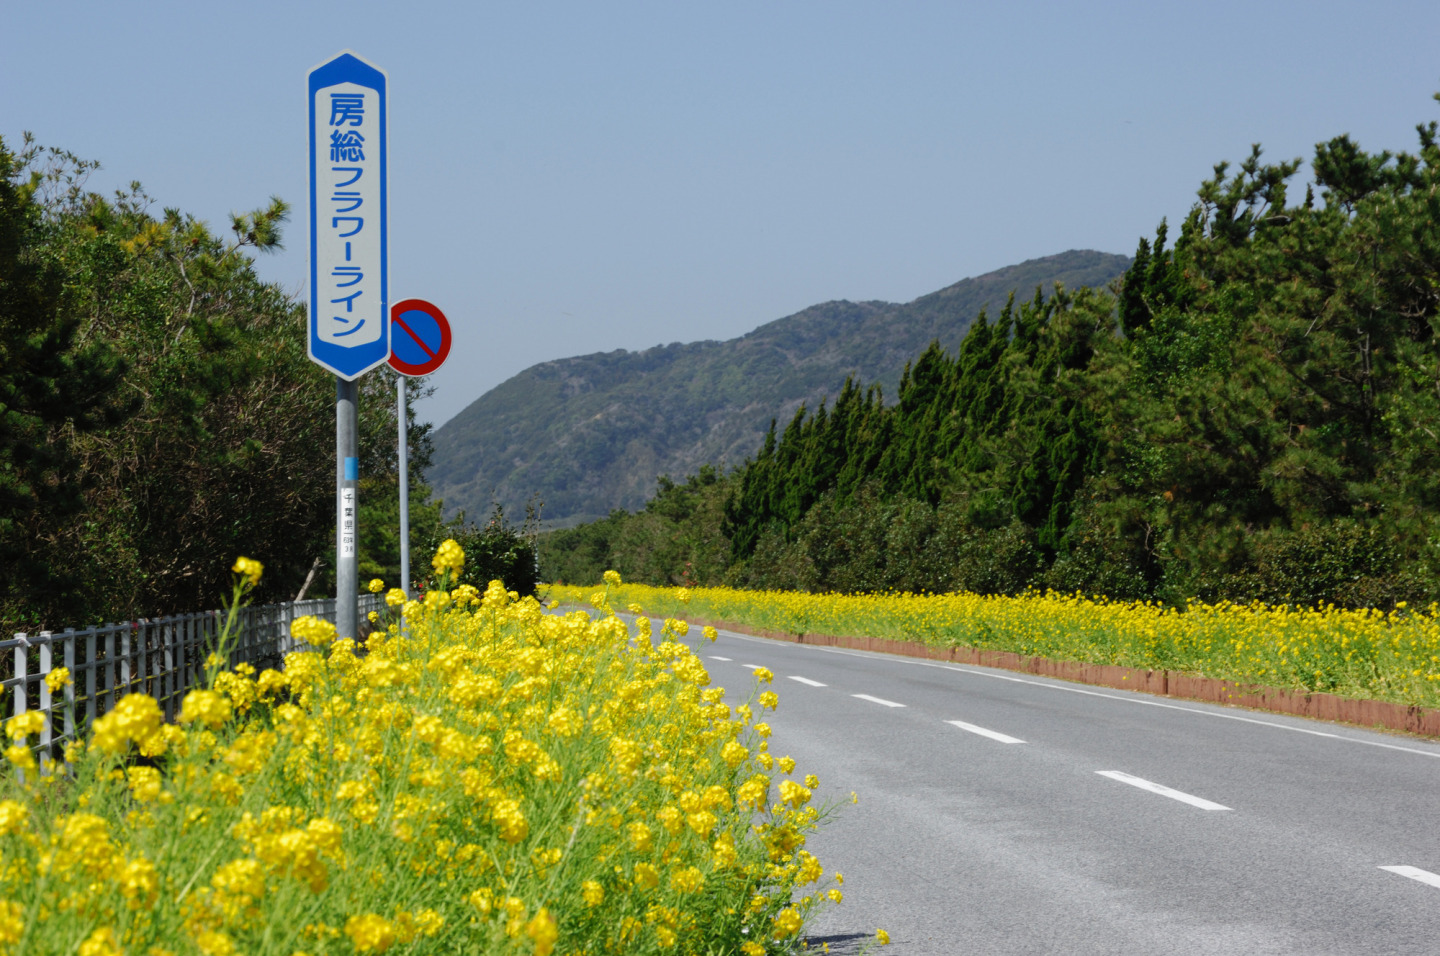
pixel 1368 654
pixel 489 779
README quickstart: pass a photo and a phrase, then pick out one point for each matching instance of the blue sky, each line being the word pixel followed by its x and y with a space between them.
pixel 580 177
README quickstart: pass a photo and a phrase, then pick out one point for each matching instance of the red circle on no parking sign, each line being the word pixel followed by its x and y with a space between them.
pixel 419 337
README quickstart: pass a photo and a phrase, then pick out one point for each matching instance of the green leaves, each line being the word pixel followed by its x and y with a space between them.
pixel 260 228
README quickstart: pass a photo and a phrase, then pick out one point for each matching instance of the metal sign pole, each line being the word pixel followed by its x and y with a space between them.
pixel 347 485
pixel 349 288
pixel 404 486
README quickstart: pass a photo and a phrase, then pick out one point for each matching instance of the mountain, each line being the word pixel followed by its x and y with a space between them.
pixel 592 433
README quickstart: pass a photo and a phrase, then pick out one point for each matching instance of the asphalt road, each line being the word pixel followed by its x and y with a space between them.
pixel 1061 818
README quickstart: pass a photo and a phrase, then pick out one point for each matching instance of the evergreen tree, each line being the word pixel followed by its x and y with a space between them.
pixel 54 385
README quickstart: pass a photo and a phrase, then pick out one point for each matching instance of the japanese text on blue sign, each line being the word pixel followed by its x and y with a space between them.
pixel 348 296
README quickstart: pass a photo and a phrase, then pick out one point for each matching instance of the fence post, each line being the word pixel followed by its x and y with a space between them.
pixel 180 655
pixel 47 736
pixel 162 667
pixel 170 682
pixel 145 665
pixel 21 690
pixel 69 655
pixel 124 660
pixel 197 647
pixel 247 633
pixel 92 675
pixel 115 668
pixel 21 665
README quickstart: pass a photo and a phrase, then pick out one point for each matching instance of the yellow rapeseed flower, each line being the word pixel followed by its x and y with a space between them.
pixel 370 933
pixel 315 631
pixel 249 569
pixel 102 942
pixel 14 817
pixel 145 784
pixel 543 931
pixel 448 557
pixel 12 922
pixel 646 875
pixel 139 883
pixel 136 719
pixel 21 757
pixel 215 943
pixel 206 708
pixel 23 725
pixel 794 794
pixel 787 922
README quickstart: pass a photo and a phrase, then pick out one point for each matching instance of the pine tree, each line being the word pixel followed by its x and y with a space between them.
pixel 52 387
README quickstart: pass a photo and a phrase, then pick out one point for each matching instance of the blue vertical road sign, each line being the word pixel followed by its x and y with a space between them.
pixel 349 291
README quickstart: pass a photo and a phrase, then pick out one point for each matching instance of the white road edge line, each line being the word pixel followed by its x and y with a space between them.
pixel 992 734
pixel 1164 791
pixel 979 672
pixel 877 700
pixel 807 681
pixel 1415 873
pixel 714 658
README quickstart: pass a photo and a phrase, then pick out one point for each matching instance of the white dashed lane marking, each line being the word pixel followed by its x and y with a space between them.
pixel 1164 791
pixel 1414 873
pixel 807 681
pixel 877 700
pixel 992 734
pixel 714 658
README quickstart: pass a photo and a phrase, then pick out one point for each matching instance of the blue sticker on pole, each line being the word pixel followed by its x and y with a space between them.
pixel 349 291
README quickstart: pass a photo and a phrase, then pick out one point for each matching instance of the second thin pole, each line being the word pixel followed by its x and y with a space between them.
pixel 400 415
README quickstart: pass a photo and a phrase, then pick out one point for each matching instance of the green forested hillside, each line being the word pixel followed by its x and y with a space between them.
pixel 591 433
pixel 1255 416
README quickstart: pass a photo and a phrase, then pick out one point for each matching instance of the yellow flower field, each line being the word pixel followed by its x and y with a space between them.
pixel 1391 656
pixel 493 779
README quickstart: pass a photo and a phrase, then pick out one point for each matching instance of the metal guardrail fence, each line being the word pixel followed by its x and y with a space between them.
pixel 162 657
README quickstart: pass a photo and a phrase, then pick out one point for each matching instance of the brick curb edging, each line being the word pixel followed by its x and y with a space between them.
pixel 1366 713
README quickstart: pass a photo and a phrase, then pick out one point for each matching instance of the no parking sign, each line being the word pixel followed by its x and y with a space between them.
pixel 419 337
